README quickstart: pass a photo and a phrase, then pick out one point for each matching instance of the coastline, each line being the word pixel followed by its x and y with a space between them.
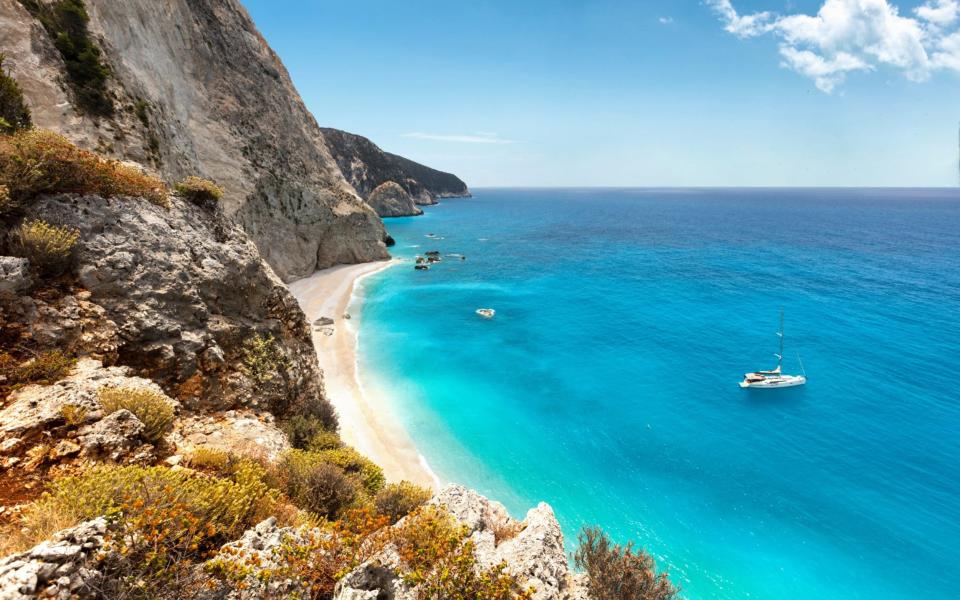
pixel 366 419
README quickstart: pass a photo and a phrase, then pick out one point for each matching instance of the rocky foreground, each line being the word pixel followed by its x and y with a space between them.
pixel 532 549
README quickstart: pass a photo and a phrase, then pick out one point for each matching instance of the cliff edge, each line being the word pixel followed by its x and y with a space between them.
pixel 367 168
pixel 193 89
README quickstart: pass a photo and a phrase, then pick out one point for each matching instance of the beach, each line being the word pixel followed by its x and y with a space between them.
pixel 367 421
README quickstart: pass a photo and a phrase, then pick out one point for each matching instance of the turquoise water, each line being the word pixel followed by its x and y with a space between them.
pixel 607 383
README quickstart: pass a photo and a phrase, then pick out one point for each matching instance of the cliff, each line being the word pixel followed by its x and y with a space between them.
pixel 367 167
pixel 195 90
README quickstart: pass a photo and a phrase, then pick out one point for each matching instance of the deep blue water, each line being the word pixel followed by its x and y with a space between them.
pixel 607 383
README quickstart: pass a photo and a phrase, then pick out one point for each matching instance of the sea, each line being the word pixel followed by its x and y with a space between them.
pixel 606 384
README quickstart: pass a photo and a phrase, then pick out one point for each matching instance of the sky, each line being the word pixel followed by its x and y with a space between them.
pixel 641 93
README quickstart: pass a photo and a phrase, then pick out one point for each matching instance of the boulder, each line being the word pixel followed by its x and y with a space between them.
pixel 389 199
pixel 182 290
pixel 14 274
pixel 36 412
pixel 57 568
pixel 237 431
pixel 532 550
pixel 258 546
pixel 112 438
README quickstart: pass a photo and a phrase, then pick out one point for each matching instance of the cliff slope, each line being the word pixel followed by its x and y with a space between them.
pixel 367 167
pixel 196 90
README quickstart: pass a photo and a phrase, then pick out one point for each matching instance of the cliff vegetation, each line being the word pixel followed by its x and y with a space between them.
pixel 65 21
pixel 14 112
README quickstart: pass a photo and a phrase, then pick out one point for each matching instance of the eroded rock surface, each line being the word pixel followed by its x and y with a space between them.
pixel 389 199
pixel 532 549
pixel 57 568
pixel 182 290
pixel 35 412
pixel 14 274
pixel 242 432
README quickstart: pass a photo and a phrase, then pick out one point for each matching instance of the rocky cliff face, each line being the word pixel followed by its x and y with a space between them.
pixel 389 199
pixel 197 91
pixel 176 293
pixel 367 167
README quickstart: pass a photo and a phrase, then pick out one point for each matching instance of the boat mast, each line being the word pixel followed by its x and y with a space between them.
pixel 780 356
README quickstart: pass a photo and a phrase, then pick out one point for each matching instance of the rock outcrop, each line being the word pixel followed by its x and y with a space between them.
pixel 184 292
pixel 187 291
pixel 57 568
pixel 389 199
pixel 243 432
pixel 36 424
pixel 366 167
pixel 197 91
pixel 14 275
pixel 532 550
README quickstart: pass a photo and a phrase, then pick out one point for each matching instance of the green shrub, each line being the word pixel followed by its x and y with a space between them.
pixel 209 459
pixel 263 360
pixel 45 368
pixel 151 408
pixel 316 485
pixel 325 440
pixel 229 505
pixel 73 414
pixel 309 433
pixel 366 472
pixel 140 108
pixel 65 21
pixel 397 500
pixel 37 162
pixel 431 547
pixel 199 191
pixel 319 409
pixel 14 114
pixel 313 558
pixel 619 573
pixel 48 248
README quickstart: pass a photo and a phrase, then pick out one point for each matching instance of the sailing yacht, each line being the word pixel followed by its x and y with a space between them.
pixel 774 378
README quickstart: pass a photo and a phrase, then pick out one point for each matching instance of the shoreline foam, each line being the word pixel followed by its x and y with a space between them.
pixel 366 418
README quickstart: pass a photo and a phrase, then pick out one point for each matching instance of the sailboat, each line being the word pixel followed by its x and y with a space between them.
pixel 774 378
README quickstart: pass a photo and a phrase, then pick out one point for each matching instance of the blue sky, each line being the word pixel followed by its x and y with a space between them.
pixel 680 93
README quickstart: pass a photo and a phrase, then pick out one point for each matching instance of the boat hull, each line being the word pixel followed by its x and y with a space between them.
pixel 775 382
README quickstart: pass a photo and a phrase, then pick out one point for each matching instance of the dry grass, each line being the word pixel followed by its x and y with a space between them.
pixel 49 248
pixel 198 190
pixel 35 162
pixel 150 407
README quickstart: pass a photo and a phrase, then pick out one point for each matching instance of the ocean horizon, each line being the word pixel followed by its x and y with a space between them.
pixel 606 384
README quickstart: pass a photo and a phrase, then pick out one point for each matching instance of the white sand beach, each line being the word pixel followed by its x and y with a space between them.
pixel 367 421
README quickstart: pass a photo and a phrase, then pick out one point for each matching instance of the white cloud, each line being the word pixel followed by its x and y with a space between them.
pixel 856 35
pixel 941 13
pixel 480 137
pixel 665 20
pixel 742 26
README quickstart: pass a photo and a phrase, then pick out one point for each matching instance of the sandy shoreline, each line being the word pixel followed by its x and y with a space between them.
pixel 366 419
